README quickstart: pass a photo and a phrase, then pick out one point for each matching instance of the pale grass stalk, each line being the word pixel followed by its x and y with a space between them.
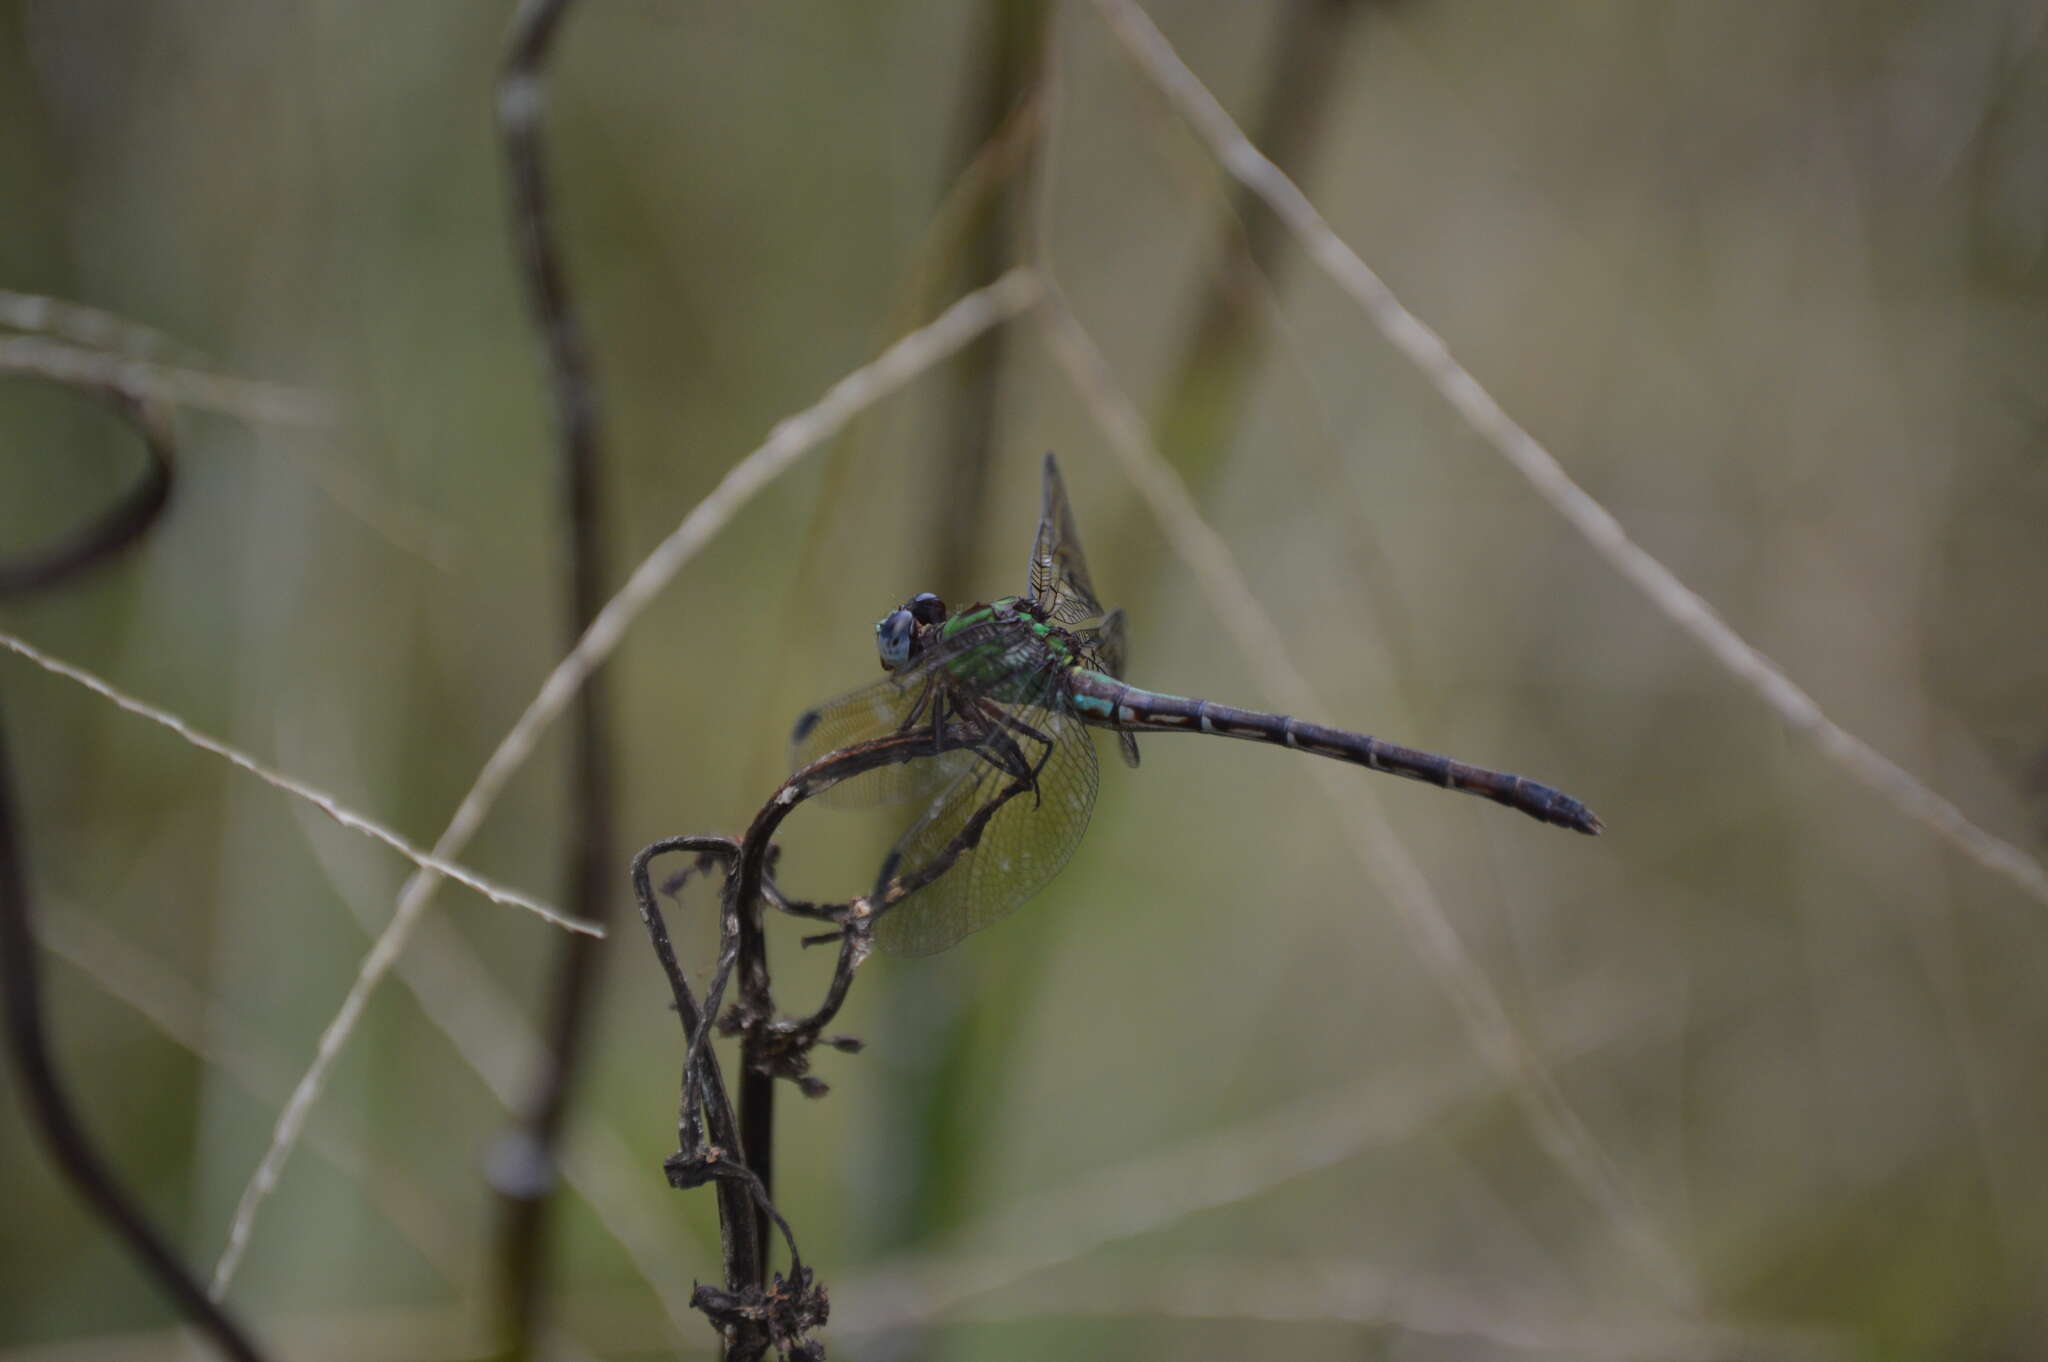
pixel 487 1029
pixel 1227 1167
pixel 489 1032
pixel 1319 1290
pixel 1380 853
pixel 409 528
pixel 405 527
pixel 400 1333
pixel 92 327
pixel 428 862
pixel 1455 384
pixel 246 398
pixel 607 1324
pixel 232 1049
pixel 791 438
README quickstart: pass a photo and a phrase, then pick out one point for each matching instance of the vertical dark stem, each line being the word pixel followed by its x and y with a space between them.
pixel 714 1146
pixel 746 900
pixel 1008 69
pixel 43 1098
pixel 1199 414
pixel 757 1084
pixel 527 1170
pixel 49 1109
pixel 704 1090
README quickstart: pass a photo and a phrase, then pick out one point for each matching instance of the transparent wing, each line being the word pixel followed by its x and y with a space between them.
pixel 1059 574
pixel 1106 648
pixel 901 702
pixel 919 698
pixel 997 834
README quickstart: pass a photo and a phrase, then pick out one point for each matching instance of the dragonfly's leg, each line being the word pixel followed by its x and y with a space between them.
pixel 970 727
pixel 1045 739
pixel 1003 752
pixel 931 696
pixel 994 744
pixel 1004 720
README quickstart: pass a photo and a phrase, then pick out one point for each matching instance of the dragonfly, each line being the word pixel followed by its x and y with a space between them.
pixel 996 702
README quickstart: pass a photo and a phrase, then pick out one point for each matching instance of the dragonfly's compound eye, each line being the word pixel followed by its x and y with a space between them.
pixel 893 637
pixel 927 608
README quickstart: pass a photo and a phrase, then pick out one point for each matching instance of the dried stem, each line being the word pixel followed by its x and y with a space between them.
pixel 523 1238
pixel 44 1099
pixel 142 379
pixel 714 1146
pixel 102 538
pixel 706 1127
pixel 789 441
pixel 50 1111
pixel 355 822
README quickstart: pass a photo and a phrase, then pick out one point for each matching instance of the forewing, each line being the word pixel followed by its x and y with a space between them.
pixel 912 700
pixel 900 702
pixel 1059 573
pixel 1020 847
pixel 1106 646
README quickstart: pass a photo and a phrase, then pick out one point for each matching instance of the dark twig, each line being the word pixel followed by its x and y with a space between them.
pixel 706 1128
pixel 122 524
pixel 752 1312
pixel 764 1054
pixel 50 1110
pixel 526 1175
pixel 782 1045
pixel 43 1097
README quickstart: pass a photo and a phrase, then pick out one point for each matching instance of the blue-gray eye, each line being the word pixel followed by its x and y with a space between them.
pixel 893 636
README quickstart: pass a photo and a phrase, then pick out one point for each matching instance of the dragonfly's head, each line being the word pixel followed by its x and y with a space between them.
pixel 900 635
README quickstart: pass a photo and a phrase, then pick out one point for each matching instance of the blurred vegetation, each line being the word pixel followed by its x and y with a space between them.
pixel 1771 281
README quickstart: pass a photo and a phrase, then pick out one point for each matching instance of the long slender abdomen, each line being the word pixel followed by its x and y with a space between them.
pixel 1107 702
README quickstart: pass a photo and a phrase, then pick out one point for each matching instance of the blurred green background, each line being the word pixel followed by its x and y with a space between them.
pixel 1771 281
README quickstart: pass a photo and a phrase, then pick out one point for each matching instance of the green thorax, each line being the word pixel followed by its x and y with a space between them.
pixel 1004 652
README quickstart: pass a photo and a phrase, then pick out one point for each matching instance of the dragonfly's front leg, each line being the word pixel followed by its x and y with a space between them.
pixel 931 698
pixel 1006 754
pixel 1005 723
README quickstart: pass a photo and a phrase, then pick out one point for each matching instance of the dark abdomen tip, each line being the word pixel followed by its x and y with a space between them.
pixel 1570 813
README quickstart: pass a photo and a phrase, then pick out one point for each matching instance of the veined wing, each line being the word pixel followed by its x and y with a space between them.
pixel 1059 574
pixel 918 699
pixel 992 838
pixel 1105 648
pixel 901 702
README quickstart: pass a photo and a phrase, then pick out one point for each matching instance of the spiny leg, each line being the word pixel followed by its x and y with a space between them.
pixel 996 714
pixel 1006 754
pixel 933 696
